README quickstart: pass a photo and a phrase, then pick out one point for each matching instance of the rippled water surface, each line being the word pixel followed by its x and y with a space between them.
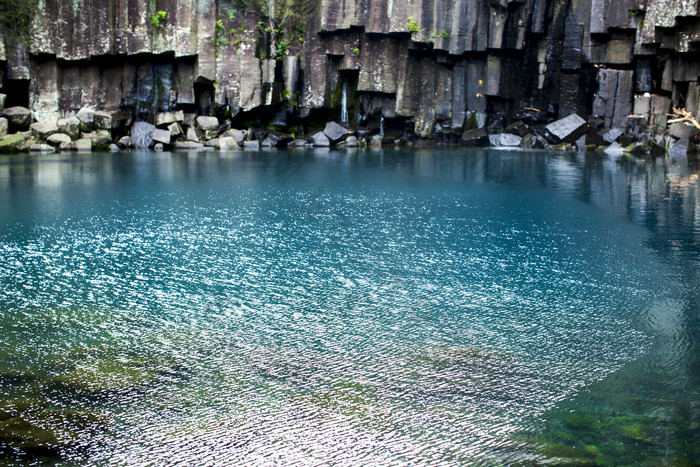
pixel 313 308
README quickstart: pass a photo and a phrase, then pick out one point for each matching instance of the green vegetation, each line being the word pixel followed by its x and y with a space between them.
pixel 19 15
pixel 412 26
pixel 443 34
pixel 157 18
pixel 356 51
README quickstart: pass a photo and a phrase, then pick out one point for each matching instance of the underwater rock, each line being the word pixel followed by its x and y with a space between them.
pixel 105 375
pixel 49 429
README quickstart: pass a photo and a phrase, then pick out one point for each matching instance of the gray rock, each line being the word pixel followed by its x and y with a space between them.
pixel 70 126
pixel 59 139
pixel 161 136
pixel 226 143
pixel 505 140
pixel 3 126
pixel 321 140
pixel 167 118
pixel 175 129
pixel 350 142
pixel 125 142
pixel 475 138
pixel 189 119
pixel 192 135
pixel 612 135
pixel 83 145
pixel 210 143
pixel 266 143
pixel 188 145
pixel 86 115
pixel 581 144
pixel 44 148
pixel 43 130
pixel 517 128
pixel 531 141
pixel 101 140
pixel 238 135
pixel 158 147
pixel 335 132
pixel 102 120
pixel 614 149
pixel 113 148
pixel 679 149
pixel 3 99
pixel 298 143
pixel 251 145
pixel 207 123
pixel 18 117
pixel 682 131
pixel 568 129
pixel 376 142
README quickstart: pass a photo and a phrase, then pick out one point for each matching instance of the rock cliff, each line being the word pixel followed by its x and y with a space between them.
pixel 433 67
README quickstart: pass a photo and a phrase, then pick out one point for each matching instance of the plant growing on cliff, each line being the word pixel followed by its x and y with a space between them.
pixel 19 15
pixel 157 17
pixel 412 26
pixel 356 51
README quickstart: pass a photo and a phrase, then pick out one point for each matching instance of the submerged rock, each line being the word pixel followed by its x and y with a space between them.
pixel 49 429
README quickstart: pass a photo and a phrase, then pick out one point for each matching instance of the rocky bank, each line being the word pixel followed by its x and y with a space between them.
pixel 253 73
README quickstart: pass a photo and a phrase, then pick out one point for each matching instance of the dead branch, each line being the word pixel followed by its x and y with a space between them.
pixel 683 116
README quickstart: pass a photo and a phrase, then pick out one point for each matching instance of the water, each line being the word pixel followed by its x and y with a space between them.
pixel 360 308
pixel 344 103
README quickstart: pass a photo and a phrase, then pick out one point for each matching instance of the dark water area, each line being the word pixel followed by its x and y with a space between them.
pixel 441 307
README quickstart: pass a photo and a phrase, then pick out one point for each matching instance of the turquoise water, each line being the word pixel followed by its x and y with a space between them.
pixel 313 308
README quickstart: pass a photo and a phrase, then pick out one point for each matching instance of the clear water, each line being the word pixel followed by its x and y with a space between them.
pixel 348 308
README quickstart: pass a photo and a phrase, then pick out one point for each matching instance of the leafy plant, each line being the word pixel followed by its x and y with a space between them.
pixel 412 25
pixel 356 51
pixel 157 17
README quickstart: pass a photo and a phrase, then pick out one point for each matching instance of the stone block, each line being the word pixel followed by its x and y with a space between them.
pixel 682 131
pixel 614 149
pixel 194 135
pixel 531 141
pixel 175 129
pixel 3 126
pixel 70 126
pixel 612 135
pixel 505 140
pixel 161 136
pixel 321 140
pixel 251 145
pixel 335 132
pixel 125 142
pixel 517 128
pixel 207 123
pixel 188 145
pixel 18 117
pixel 475 138
pixel 238 135
pixel 3 99
pixel 679 149
pixel 619 52
pixel 43 130
pixel 102 120
pixel 349 142
pixel 42 148
pixel 86 115
pixel 642 105
pixel 167 118
pixel 12 143
pixel 226 143
pixel 567 129
pixel 59 139
pixel 83 145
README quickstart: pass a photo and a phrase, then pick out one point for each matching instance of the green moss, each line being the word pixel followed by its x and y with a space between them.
pixel 12 144
pixel 472 122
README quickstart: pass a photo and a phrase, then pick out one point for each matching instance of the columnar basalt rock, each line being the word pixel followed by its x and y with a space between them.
pixel 430 66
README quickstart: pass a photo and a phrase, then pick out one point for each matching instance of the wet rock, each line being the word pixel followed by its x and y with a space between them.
pixel 614 149
pixel 279 139
pixel 188 145
pixel 505 140
pixel 475 138
pixel 225 143
pixel 568 129
pixel 580 144
pixel 238 135
pixel 679 149
pixel 175 129
pixel 70 126
pixel 321 140
pixel 517 128
pixel 335 132
pixel 113 148
pixel 376 142
pixel 161 136
pixel 167 118
pixel 350 142
pixel 682 131
pixel 59 139
pixel 612 135
pixel 82 145
pixel 251 145
pixel 13 143
pixel 158 147
pixel 102 120
pixel 19 118
pixel 44 148
pixel 209 125
pixel 3 126
pixel 86 115
pixel 566 147
pixel 125 142
pixel 531 141
pixel 43 130
pixel 193 135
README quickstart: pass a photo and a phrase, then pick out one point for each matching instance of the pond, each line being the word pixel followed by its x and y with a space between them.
pixel 442 307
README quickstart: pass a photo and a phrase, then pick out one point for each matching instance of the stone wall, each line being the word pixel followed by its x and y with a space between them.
pixel 445 65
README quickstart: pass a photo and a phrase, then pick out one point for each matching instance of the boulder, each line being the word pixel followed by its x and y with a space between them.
pixel 43 130
pixel 614 149
pixel 376 142
pixel 211 142
pixel 83 145
pixel 113 148
pixel 568 129
pixel 679 149
pixel 161 136
pixel 349 142
pixel 612 135
pixel 18 117
pixel 13 143
pixel 188 145
pixel 86 115
pixel 194 135
pixel 238 135
pixel 3 126
pixel 682 131
pixel 175 129
pixel 475 138
pixel 205 123
pixel 298 143
pixel 58 139
pixel 158 147
pixel 279 139
pixel 517 128
pixel 251 145
pixel 102 120
pixel 266 143
pixel 125 142
pixel 321 140
pixel 531 141
pixel 335 132
pixel 167 118
pixel 505 140
pixel 70 126
pixel 226 143
pixel 44 148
